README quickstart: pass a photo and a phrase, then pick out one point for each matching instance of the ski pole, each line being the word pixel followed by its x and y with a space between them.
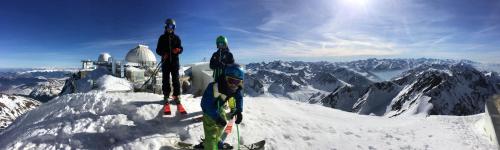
pixel 154 74
pixel 238 133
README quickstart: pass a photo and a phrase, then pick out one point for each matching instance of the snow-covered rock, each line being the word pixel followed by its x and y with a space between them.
pixel 77 84
pixel 377 98
pixel 111 83
pixel 12 107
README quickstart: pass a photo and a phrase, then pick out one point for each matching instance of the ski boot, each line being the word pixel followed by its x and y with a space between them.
pixel 176 100
pixel 224 146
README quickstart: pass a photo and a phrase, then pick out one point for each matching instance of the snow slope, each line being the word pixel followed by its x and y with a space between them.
pixel 100 120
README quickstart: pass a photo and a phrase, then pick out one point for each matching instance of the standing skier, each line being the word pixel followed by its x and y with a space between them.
pixel 221 57
pixel 169 48
pixel 225 93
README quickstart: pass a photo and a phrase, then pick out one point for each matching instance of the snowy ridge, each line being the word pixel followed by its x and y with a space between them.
pixel 13 106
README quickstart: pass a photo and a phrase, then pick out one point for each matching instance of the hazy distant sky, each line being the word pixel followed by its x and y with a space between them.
pixel 61 33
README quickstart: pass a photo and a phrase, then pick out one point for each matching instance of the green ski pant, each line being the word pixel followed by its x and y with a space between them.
pixel 213 132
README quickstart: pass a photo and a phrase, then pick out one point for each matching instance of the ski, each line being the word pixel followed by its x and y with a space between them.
pixel 166 109
pixel 181 109
pixel 260 145
pixel 227 130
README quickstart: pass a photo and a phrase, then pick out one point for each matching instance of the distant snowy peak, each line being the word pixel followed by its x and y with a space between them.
pixel 12 107
pixel 456 89
pixel 374 64
pixel 37 72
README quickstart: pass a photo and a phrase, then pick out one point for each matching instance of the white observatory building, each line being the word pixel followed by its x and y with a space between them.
pixel 141 56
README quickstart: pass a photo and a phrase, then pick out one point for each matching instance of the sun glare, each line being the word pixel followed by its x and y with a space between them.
pixel 355 4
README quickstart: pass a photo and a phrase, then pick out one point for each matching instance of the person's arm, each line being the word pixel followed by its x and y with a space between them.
pixel 176 45
pixel 214 61
pixel 229 58
pixel 160 46
pixel 208 101
pixel 239 107
pixel 239 101
pixel 179 45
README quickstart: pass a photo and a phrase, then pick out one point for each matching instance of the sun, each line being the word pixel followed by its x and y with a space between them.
pixel 355 4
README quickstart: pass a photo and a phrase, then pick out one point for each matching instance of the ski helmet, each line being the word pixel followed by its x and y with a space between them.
pixel 170 23
pixel 234 70
pixel 221 41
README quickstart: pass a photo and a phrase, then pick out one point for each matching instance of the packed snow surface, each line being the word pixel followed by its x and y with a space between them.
pixel 100 120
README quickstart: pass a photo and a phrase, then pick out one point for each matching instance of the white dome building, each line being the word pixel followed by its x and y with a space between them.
pixel 141 55
pixel 104 57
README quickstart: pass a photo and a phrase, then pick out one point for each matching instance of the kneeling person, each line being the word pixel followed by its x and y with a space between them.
pixel 225 92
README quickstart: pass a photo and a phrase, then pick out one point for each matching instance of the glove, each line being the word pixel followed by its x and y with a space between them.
pixel 165 57
pixel 220 122
pixel 176 50
pixel 239 117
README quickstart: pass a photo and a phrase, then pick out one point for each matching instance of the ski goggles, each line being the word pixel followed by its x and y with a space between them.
pixel 221 44
pixel 234 81
pixel 170 26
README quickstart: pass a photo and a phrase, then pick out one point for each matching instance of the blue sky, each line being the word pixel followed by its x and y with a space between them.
pixel 61 33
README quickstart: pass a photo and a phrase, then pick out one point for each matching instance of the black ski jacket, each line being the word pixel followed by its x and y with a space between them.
pixel 220 59
pixel 166 43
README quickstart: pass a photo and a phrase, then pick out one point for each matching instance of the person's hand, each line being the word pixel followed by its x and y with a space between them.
pixel 176 50
pixel 239 117
pixel 165 57
pixel 221 122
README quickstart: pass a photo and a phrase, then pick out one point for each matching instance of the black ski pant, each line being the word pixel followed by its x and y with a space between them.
pixel 167 71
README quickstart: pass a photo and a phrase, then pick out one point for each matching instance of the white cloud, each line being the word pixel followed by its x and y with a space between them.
pixel 116 42
pixel 330 28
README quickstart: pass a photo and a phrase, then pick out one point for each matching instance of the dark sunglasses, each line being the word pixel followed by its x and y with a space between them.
pixel 234 81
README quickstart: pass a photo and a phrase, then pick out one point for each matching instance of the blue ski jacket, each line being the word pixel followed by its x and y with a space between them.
pixel 213 101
